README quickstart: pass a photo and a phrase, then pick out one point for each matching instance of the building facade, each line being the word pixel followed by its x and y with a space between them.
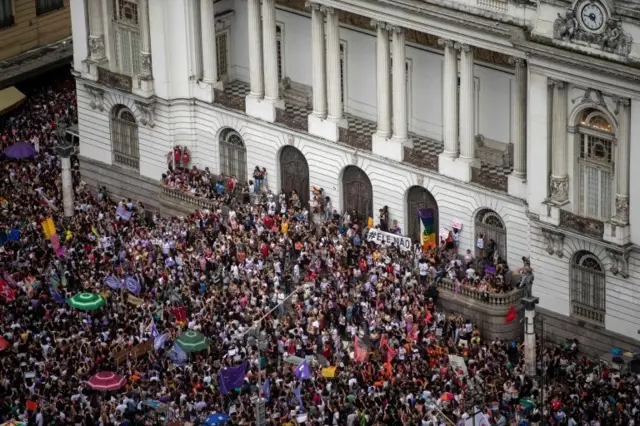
pixel 513 118
pixel 35 35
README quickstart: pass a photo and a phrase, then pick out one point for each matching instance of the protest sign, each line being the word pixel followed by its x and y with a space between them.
pixel 458 365
pixel 134 352
pixel 387 238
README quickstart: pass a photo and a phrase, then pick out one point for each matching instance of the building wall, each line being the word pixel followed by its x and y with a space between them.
pixel 425 81
pixel 30 31
pixel 197 126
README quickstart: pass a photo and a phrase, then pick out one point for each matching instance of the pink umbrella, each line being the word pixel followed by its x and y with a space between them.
pixel 106 381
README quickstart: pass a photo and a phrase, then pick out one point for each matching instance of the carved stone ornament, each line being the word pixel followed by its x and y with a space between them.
pixel 581 224
pixel 420 180
pixel 555 242
pixel 354 158
pixel 312 5
pixel 559 188
pixel 619 262
pixel 593 96
pixel 145 64
pixel 289 139
pixel 148 112
pixel 622 209
pixel 115 80
pixel 612 40
pixel 445 42
pixel 96 47
pixel 463 47
pixel 97 98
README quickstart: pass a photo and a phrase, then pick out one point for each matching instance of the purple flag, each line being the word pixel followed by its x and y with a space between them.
pixel 232 377
pixel 123 213
pixel 56 296
pixel 302 371
pixel 112 282
pixel 132 285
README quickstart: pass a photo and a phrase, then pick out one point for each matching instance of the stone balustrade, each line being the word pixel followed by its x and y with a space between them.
pixel 188 200
pixel 491 299
pixel 486 310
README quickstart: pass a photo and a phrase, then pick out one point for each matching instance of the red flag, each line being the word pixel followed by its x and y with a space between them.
pixel 180 314
pixel 511 315
pixel 360 353
pixel 6 291
pixel 391 353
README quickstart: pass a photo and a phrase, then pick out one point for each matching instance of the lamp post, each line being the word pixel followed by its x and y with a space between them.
pixel 64 149
pixel 260 420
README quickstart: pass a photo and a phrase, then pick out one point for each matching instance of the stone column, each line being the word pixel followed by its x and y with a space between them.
pixel 383 80
pixel 208 34
pixel 519 113
pixel 334 92
pixel 96 30
pixel 559 177
pixel 146 69
pixel 270 51
pixel 622 172
pixel 64 151
pixel 255 50
pixel 530 335
pixel 399 91
pixel 450 98
pixel 467 103
pixel 318 61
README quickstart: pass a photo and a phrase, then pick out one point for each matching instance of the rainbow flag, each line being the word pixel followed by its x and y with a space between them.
pixel 429 238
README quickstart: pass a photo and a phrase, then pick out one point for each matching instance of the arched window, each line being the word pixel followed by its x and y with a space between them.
pixel 124 137
pixel 126 27
pixel 595 159
pixel 490 226
pixel 233 154
pixel 587 283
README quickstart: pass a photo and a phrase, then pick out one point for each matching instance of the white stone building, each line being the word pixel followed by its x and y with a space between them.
pixel 515 118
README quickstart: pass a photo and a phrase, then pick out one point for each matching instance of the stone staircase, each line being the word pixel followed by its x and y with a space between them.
pixel 295 93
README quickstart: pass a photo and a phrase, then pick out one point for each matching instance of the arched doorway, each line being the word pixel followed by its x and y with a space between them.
pixel 357 192
pixel 294 173
pixel 490 225
pixel 233 154
pixel 419 198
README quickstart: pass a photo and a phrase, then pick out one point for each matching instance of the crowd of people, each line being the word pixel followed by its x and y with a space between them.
pixel 323 326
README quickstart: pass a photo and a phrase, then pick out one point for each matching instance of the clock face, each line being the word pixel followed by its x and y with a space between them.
pixel 592 16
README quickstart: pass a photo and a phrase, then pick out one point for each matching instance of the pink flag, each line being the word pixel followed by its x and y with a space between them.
pixel 55 241
pixel 360 353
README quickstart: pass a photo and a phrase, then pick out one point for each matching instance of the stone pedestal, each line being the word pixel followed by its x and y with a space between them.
pixel 517 186
pixel 550 213
pixel 456 168
pixel 324 128
pixel 529 304
pixel 261 108
pixel 617 233
pixel 64 151
pixel 387 147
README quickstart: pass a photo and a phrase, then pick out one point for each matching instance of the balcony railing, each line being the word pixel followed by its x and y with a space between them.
pixel 490 299
pixel 197 203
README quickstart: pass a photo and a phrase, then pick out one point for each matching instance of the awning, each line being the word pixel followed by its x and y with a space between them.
pixel 9 99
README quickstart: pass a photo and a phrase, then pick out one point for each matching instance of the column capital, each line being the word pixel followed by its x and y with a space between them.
pixel 621 102
pixel 463 47
pixel 446 42
pixel 517 62
pixel 556 83
pixel 328 10
pixel 395 29
pixel 379 24
pixel 313 5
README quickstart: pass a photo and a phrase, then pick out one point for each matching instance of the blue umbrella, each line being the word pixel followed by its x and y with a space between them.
pixel 216 419
pixel 20 150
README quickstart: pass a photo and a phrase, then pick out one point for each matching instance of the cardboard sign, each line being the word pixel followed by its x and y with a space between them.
pixel 456 224
pixel 135 301
pixel 458 365
pixel 134 352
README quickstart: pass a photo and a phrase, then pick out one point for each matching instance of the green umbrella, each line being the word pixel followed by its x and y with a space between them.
pixel 192 341
pixel 86 301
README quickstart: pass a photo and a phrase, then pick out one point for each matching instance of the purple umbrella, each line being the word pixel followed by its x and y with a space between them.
pixel 20 150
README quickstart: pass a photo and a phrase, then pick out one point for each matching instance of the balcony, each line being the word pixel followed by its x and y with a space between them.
pixel 424 153
pixel 186 202
pixel 487 310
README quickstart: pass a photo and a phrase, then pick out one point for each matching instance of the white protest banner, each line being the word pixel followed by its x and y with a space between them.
pixel 387 238
pixel 458 365
pixel 456 224
pixel 444 233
